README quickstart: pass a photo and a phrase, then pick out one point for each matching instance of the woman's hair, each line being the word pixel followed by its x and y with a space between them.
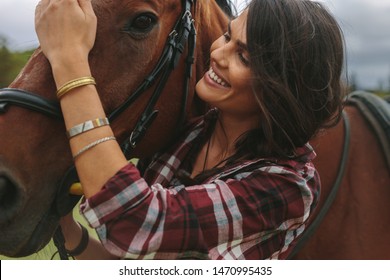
pixel 296 51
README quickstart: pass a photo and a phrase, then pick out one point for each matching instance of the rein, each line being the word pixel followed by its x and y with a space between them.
pixel 312 227
pixel 182 35
pixel 28 100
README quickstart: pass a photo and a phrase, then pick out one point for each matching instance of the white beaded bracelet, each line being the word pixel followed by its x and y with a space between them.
pixel 93 144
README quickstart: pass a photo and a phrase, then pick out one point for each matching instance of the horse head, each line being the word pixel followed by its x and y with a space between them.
pixel 34 151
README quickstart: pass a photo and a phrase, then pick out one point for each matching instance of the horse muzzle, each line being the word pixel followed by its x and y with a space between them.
pixel 11 198
pixel 22 231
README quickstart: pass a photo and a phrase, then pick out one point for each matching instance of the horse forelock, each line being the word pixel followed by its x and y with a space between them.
pixel 202 14
pixel 209 14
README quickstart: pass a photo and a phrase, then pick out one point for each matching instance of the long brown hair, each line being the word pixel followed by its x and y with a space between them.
pixel 297 54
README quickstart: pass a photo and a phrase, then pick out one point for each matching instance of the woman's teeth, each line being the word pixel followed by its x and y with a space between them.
pixel 216 79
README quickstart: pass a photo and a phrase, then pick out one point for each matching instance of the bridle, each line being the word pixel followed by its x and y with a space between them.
pixel 180 39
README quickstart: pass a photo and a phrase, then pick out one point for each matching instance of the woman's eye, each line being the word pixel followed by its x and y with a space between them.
pixel 243 59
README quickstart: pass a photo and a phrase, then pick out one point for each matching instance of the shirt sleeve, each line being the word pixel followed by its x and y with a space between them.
pixel 254 215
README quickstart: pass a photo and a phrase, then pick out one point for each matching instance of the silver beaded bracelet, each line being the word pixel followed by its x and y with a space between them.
pixel 93 144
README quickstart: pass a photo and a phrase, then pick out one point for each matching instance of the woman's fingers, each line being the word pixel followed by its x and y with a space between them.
pixel 66 29
pixel 86 5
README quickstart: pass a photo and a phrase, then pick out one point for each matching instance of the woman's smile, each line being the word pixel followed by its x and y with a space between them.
pixel 216 78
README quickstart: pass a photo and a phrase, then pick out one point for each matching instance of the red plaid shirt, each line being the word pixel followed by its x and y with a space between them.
pixel 252 210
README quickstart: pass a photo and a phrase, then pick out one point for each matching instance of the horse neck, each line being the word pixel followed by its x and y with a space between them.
pixel 36 72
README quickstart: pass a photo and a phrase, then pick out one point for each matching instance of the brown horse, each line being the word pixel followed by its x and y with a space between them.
pixel 131 39
pixel 356 226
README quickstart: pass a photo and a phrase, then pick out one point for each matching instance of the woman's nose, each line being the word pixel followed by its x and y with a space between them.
pixel 221 53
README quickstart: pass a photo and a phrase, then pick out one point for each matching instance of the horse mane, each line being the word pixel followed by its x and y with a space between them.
pixel 205 11
pixel 228 7
pixel 211 22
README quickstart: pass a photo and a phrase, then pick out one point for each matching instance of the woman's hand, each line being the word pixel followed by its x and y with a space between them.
pixel 72 233
pixel 66 30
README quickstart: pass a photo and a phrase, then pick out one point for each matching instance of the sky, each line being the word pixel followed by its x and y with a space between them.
pixel 365 23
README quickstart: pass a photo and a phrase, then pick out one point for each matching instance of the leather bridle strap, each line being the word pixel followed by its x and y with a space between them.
pixel 150 113
pixel 182 35
pixel 28 100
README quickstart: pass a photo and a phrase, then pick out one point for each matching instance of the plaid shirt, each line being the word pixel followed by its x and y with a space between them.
pixel 251 210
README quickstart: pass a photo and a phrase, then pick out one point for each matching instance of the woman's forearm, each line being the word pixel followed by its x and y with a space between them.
pixel 98 164
pixel 66 42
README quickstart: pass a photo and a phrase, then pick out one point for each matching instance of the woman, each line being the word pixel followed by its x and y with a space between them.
pixel 239 184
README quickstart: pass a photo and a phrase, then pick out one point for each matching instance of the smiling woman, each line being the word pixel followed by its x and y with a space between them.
pixel 231 177
pixel 240 174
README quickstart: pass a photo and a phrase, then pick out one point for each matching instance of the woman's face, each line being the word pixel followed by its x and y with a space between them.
pixel 227 85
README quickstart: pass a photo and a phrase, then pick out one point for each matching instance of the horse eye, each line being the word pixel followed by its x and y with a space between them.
pixel 141 24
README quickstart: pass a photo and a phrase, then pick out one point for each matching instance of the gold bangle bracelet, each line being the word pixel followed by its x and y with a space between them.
pixel 74 84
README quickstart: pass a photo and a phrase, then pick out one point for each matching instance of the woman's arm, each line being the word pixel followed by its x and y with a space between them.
pixel 66 41
pixel 223 219
pixel 72 232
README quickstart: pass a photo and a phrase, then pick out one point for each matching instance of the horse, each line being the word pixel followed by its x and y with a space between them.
pixel 355 225
pixel 141 53
pixel 352 220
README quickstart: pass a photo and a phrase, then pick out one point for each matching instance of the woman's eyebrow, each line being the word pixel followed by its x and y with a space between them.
pixel 239 43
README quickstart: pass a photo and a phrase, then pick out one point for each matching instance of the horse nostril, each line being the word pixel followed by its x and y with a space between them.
pixel 9 199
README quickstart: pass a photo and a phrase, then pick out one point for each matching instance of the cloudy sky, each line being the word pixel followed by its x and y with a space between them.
pixel 366 24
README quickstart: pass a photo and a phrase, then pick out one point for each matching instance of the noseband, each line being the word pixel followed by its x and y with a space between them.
pixel 183 35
